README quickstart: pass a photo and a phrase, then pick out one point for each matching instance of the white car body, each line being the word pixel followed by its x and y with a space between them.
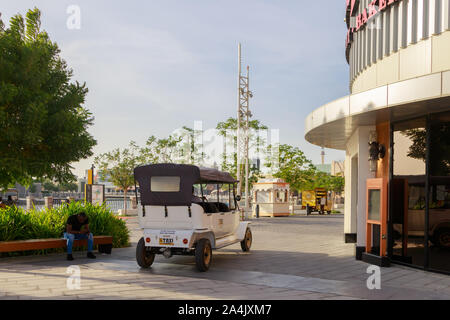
pixel 161 230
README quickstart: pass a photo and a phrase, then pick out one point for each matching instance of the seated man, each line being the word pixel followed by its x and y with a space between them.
pixel 10 201
pixel 74 231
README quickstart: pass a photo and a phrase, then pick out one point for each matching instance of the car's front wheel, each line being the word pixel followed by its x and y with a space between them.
pixel 203 255
pixel 247 242
pixel 144 257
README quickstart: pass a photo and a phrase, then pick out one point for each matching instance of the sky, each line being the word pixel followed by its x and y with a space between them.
pixel 154 66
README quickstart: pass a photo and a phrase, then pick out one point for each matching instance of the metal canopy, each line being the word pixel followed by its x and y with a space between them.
pixel 333 124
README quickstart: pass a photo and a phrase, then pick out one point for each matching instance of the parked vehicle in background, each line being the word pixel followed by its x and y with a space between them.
pixel 317 200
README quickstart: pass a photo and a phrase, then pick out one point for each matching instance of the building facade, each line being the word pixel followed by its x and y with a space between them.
pixel 397 114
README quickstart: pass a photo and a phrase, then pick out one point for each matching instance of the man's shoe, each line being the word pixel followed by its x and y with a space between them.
pixel 69 257
pixel 90 255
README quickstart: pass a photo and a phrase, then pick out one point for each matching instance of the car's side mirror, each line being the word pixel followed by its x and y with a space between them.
pixel 238 198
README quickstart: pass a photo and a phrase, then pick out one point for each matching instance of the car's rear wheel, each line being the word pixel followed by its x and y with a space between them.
pixel 203 255
pixel 144 257
pixel 247 242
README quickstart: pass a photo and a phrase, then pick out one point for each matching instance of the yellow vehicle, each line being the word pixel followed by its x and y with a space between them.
pixel 316 201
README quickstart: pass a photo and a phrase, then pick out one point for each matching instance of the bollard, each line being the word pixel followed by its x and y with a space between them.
pixel 29 203
pixel 257 211
pixel 48 201
pixel 133 202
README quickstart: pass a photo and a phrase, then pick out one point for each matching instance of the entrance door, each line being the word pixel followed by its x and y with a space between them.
pixel 408 192
pixel 376 228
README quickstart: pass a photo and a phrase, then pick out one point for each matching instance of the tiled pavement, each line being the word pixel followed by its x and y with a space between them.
pixel 292 258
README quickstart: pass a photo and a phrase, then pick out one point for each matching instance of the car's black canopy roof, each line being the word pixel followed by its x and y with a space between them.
pixel 189 175
pixel 209 175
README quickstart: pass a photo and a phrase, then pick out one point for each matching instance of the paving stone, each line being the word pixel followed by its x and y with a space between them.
pixel 303 253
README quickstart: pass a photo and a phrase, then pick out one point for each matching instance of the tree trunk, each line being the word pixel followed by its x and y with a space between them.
pixel 125 200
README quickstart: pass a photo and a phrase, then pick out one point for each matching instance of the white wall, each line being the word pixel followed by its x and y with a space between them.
pixel 355 218
pixel 350 153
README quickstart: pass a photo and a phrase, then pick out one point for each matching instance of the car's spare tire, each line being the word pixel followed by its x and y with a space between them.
pixel 144 257
pixel 203 255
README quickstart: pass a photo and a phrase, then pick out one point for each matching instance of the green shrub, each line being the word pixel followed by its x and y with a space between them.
pixel 18 224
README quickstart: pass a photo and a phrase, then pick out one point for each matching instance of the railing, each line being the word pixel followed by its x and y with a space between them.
pixel 114 203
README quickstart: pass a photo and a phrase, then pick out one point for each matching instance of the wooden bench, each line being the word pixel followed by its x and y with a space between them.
pixel 104 244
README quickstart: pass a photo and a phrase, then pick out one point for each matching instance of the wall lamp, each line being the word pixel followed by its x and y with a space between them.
pixel 376 151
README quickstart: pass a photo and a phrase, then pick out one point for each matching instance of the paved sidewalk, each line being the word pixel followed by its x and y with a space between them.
pixel 292 258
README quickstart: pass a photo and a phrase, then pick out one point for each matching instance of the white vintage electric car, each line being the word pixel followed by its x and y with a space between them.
pixel 187 210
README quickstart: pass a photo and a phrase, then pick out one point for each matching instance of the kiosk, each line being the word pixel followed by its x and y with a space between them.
pixel 272 198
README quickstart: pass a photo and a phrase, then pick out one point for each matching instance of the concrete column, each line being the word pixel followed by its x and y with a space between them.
pixel 356 173
pixel 48 202
pixel 363 174
pixel 351 187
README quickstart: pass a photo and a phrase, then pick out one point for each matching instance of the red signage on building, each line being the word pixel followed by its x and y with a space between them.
pixel 374 7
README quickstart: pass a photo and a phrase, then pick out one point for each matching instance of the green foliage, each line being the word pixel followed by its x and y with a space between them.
pixel 164 150
pixel 56 187
pixel 325 180
pixel 228 130
pixel 18 224
pixel 43 126
pixel 292 166
pixel 118 165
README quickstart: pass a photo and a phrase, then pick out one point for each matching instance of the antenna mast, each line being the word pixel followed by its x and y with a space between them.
pixel 244 95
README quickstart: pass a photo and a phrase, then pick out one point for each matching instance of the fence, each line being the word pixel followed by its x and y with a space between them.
pixel 114 203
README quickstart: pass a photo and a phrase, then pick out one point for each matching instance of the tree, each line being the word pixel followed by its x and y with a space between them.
pixel 160 150
pixel 228 130
pixel 49 185
pixel 43 125
pixel 118 166
pixel 293 167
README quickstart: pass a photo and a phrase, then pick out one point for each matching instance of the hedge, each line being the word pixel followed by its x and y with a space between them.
pixel 19 224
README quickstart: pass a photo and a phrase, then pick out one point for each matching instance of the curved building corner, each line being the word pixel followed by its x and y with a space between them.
pixel 397 204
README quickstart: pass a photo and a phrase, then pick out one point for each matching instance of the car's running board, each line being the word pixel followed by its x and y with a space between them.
pixel 226 241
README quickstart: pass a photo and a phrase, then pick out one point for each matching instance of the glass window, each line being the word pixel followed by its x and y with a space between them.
pixel 408 191
pixel 225 194
pixel 439 193
pixel 165 184
pixel 197 193
pixel 263 196
pixel 210 191
pixel 374 204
